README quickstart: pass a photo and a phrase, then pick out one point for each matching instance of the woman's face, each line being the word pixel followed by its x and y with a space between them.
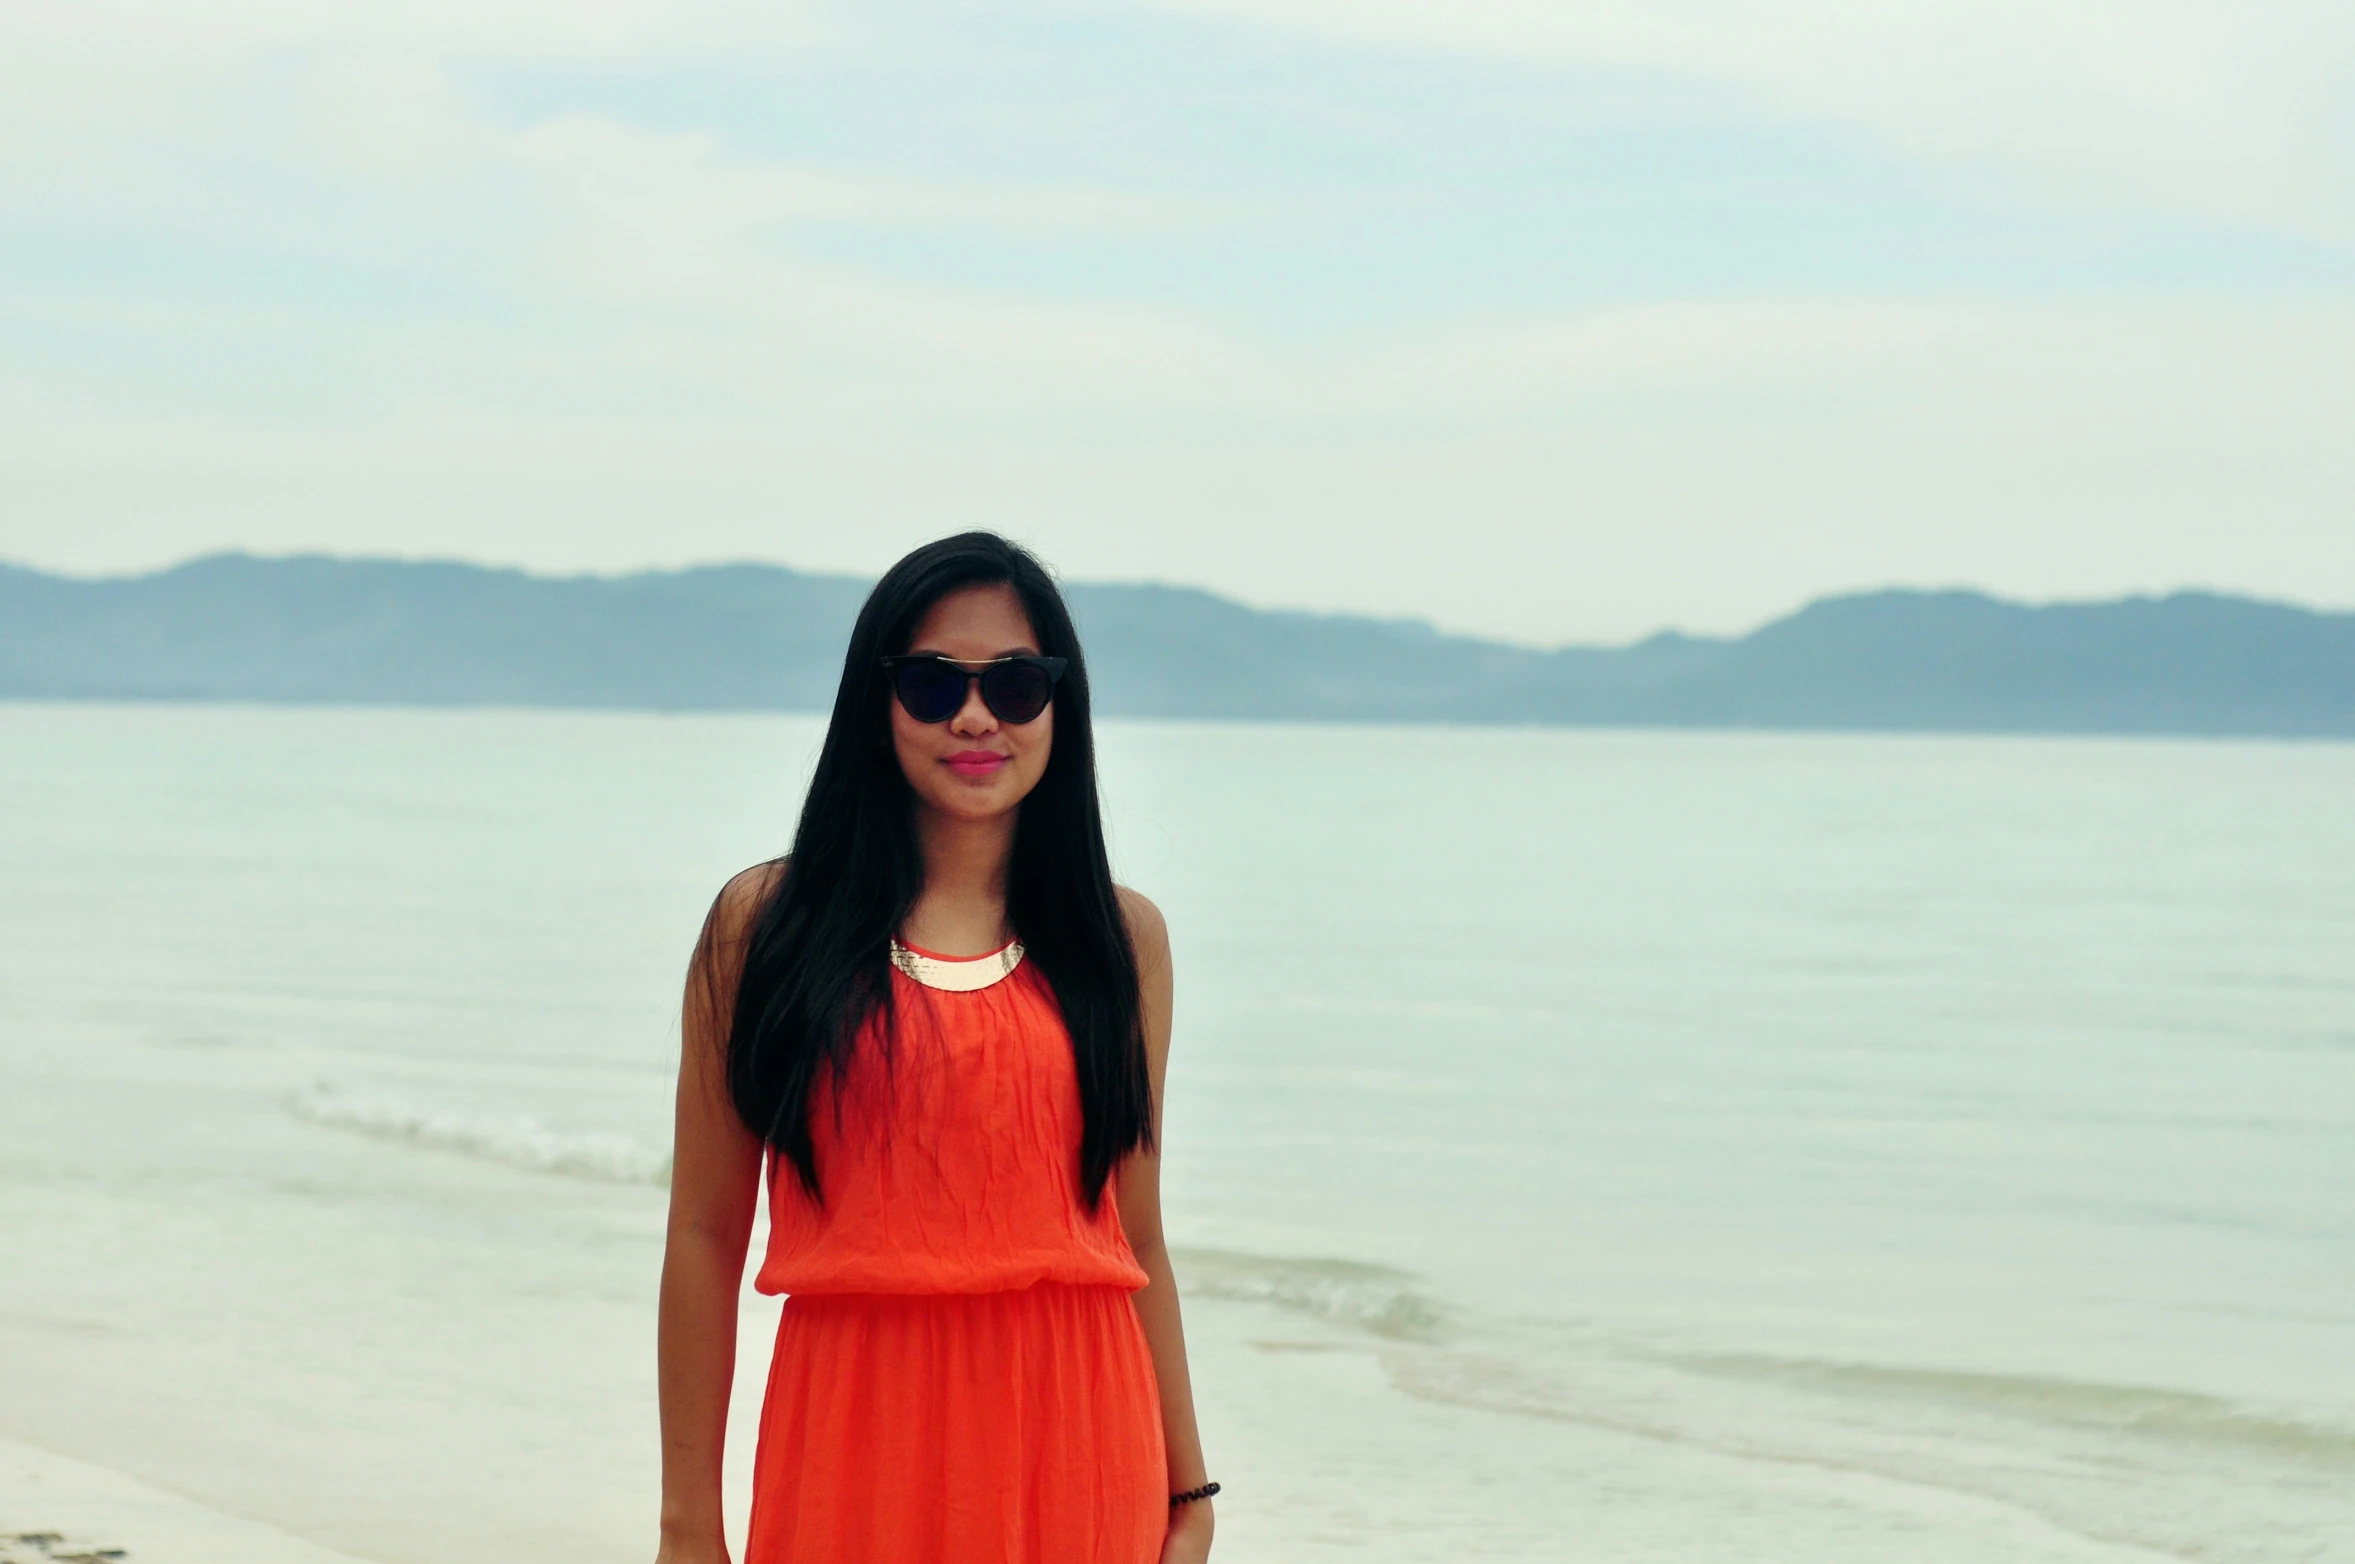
pixel 973 766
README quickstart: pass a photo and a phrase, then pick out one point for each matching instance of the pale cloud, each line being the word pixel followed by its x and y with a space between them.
pixel 205 31
pixel 680 191
pixel 1726 463
pixel 75 76
pixel 2215 107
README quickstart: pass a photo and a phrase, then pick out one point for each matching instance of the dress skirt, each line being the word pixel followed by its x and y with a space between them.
pixel 960 1428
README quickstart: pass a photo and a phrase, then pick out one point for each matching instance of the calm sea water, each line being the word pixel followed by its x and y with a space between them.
pixel 1594 1146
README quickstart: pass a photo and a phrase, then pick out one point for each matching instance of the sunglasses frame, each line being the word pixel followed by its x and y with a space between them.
pixel 974 673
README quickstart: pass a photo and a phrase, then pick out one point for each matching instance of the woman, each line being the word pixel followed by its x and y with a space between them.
pixel 946 1030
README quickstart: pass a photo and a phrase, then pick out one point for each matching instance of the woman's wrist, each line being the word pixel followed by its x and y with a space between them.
pixel 692 1522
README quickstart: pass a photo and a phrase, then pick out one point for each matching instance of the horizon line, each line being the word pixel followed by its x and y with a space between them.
pixel 1832 595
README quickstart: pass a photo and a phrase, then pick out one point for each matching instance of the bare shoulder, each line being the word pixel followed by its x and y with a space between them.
pixel 717 966
pixel 1148 931
pixel 739 903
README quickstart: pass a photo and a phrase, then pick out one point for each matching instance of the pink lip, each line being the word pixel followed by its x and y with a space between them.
pixel 976 762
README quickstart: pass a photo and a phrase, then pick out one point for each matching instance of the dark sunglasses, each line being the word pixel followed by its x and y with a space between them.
pixel 1015 689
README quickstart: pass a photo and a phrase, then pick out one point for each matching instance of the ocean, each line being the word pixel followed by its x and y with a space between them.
pixel 1582 1145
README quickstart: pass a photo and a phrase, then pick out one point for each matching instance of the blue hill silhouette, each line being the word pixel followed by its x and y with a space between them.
pixel 760 637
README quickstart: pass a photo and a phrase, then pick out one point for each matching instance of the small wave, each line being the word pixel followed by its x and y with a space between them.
pixel 521 1143
pixel 1371 1298
pixel 2220 1483
pixel 2130 1410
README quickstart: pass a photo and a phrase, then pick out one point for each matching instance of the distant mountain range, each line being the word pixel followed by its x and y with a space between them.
pixel 759 637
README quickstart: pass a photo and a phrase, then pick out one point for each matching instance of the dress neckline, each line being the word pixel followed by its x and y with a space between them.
pixel 957 974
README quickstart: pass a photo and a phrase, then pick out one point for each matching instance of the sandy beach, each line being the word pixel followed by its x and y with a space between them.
pixel 56 1511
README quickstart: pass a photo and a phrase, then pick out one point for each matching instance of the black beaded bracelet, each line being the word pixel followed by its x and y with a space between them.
pixel 1191 1494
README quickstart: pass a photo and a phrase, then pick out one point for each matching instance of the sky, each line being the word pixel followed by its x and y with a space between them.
pixel 1557 322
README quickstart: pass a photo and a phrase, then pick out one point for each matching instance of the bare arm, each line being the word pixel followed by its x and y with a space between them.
pixel 715 1189
pixel 1140 1216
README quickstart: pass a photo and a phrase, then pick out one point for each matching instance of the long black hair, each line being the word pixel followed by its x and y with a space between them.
pixel 817 960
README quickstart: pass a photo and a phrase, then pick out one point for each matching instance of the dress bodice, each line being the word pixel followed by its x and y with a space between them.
pixel 950 1153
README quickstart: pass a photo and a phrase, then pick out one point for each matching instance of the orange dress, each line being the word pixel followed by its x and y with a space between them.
pixel 959 1375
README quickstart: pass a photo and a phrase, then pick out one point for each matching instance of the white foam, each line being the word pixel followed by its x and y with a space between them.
pixel 520 1142
pixel 1347 1292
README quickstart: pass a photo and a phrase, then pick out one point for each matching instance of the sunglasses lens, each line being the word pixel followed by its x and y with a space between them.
pixel 1017 692
pixel 929 691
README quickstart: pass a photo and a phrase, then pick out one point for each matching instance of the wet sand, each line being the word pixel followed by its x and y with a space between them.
pixel 56 1511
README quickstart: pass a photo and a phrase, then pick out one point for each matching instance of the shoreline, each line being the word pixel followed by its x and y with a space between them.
pixel 53 1508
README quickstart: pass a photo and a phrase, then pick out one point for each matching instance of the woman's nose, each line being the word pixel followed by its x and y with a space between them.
pixel 974 717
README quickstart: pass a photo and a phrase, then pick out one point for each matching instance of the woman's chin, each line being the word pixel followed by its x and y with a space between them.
pixel 984 798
